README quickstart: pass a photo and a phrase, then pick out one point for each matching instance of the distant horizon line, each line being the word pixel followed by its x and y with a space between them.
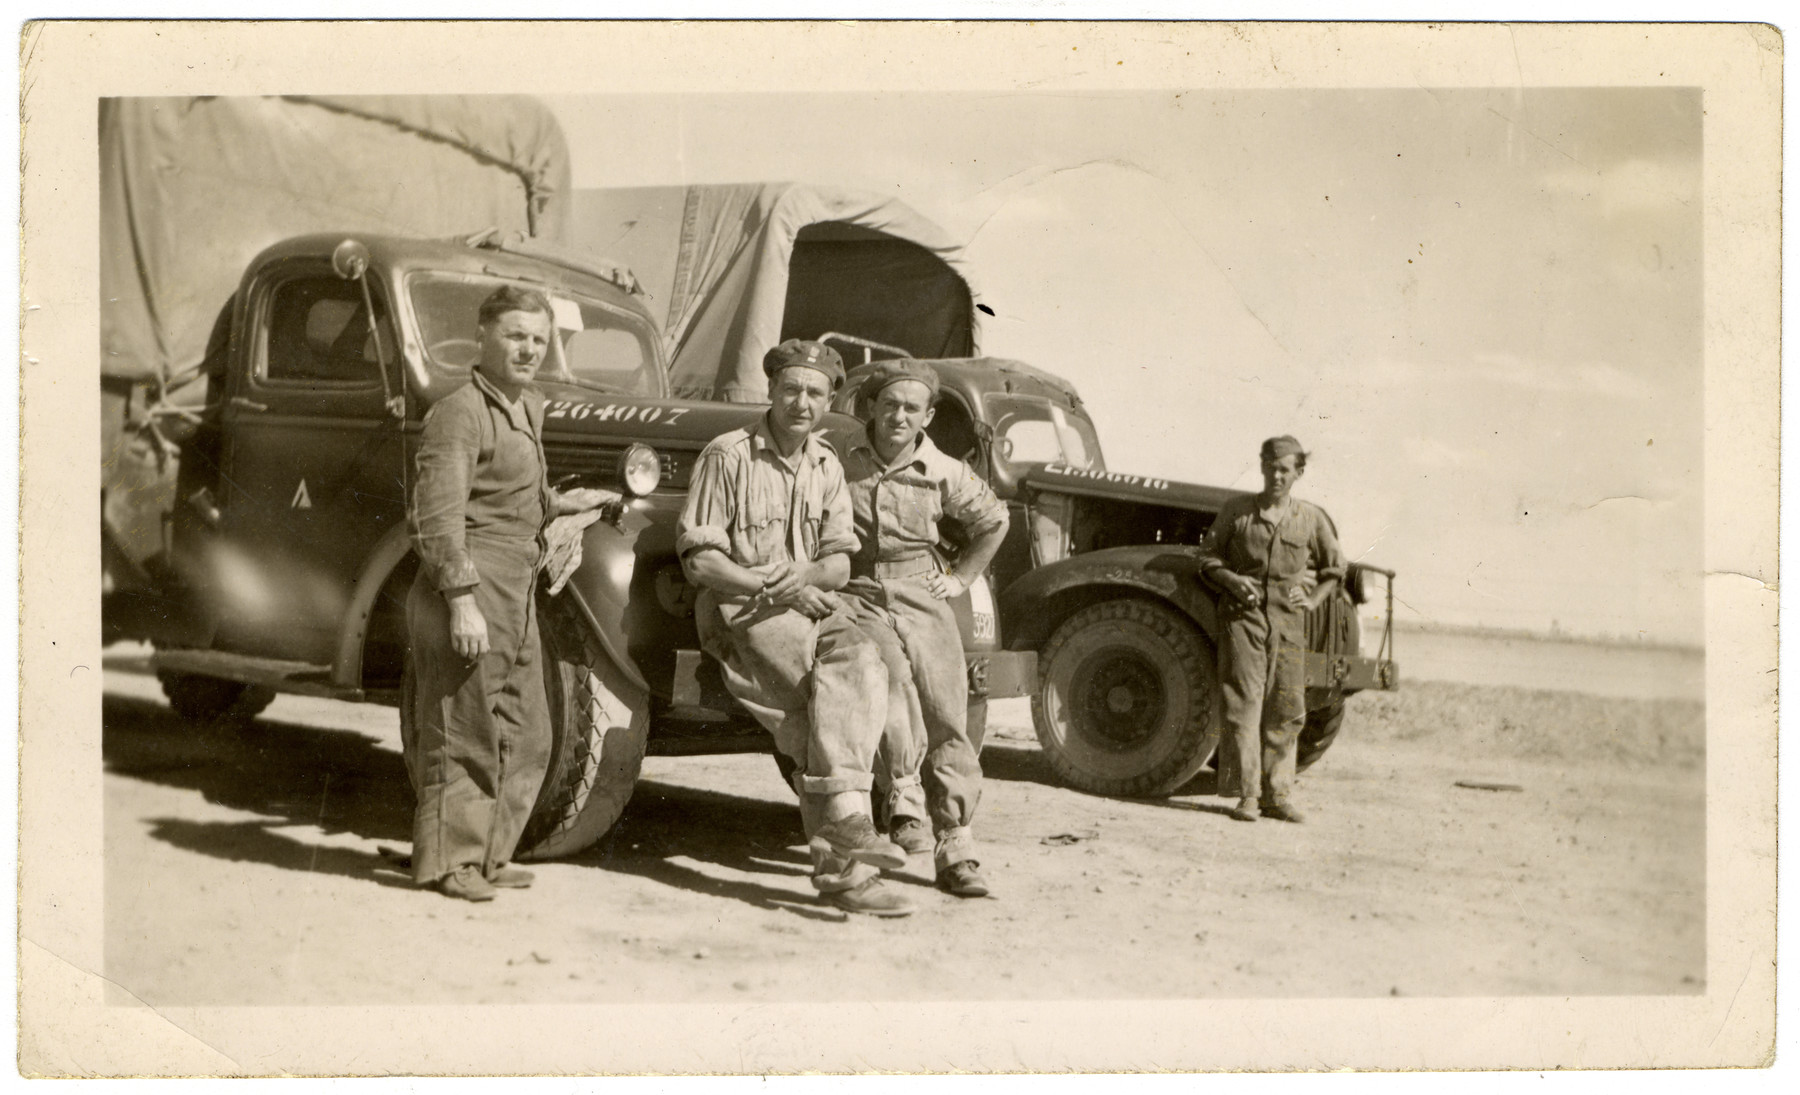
pixel 1551 635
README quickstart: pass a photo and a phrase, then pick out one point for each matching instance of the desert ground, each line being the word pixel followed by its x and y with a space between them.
pixel 244 865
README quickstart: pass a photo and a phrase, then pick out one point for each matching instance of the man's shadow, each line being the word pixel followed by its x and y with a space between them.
pixel 337 780
pixel 1027 764
pixel 751 836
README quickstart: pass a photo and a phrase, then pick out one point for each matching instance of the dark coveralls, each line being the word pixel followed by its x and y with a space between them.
pixel 897 509
pixel 1262 658
pixel 477 739
pixel 818 686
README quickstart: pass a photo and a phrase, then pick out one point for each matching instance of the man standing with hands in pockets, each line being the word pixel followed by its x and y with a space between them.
pixel 1271 554
pixel 902 485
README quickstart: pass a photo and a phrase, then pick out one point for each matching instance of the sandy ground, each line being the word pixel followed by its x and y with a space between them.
pixel 242 867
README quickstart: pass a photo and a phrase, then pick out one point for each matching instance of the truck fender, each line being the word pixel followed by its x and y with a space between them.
pixel 601 586
pixel 353 630
pixel 590 588
pixel 1166 572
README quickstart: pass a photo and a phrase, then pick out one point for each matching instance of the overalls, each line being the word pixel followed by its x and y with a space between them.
pixel 1262 649
pixel 476 734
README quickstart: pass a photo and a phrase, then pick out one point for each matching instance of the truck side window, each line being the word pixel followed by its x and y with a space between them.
pixel 319 332
pixel 951 429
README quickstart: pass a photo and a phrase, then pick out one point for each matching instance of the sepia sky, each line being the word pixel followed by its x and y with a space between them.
pixel 1480 310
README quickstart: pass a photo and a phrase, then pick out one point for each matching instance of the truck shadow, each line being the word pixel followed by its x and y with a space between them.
pixel 337 780
pixel 1016 764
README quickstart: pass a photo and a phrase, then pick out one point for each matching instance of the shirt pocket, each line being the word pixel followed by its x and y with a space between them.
pixel 763 521
pixel 912 508
pixel 1293 550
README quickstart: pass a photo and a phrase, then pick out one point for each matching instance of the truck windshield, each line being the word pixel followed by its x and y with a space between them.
pixel 595 346
pixel 1031 430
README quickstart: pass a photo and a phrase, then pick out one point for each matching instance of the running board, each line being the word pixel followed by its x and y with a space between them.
pixel 301 678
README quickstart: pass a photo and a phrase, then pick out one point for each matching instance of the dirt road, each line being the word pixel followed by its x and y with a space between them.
pixel 242 867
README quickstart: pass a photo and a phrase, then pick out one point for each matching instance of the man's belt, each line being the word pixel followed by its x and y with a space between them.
pixel 906 568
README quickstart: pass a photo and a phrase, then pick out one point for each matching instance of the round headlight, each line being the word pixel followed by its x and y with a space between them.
pixel 641 470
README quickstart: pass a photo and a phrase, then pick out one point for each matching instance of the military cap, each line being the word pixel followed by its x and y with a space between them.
pixel 1277 447
pixel 813 355
pixel 897 369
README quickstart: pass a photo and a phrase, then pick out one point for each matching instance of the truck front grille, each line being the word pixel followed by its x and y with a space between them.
pixel 598 466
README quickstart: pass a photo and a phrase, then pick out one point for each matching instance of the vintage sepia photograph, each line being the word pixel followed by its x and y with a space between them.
pixel 1063 542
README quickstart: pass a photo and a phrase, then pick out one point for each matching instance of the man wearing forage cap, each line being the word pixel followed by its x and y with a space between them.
pixel 766 535
pixel 1259 552
pixel 901 485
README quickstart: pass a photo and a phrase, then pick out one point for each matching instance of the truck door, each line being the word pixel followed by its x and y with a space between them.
pixel 313 463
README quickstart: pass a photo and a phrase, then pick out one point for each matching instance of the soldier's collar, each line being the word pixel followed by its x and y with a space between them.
pixel 515 409
pixel 915 453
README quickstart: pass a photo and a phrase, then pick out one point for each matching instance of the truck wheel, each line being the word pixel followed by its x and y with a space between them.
pixel 598 725
pixel 212 699
pixel 1125 701
pixel 1317 735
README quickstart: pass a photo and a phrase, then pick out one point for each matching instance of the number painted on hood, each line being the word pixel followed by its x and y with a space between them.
pixel 620 412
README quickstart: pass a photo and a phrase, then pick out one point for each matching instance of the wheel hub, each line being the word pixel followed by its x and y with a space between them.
pixel 1119 698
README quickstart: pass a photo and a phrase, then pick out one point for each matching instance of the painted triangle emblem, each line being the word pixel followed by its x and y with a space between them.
pixel 302 500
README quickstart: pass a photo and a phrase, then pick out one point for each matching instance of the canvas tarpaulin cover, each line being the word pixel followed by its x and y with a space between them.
pixel 734 269
pixel 191 189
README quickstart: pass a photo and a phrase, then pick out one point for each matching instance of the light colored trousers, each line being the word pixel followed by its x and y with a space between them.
pixel 820 687
pixel 926 767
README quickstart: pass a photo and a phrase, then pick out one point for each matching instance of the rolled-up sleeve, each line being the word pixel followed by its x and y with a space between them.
pixel 711 505
pixel 1328 557
pixel 1216 542
pixel 449 448
pixel 971 501
pixel 837 528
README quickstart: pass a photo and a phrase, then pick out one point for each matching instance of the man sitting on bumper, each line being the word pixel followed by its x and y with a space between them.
pixel 766 535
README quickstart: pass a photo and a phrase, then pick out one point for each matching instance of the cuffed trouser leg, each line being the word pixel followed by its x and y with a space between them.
pixel 954 846
pixel 1243 681
pixel 831 872
pixel 826 680
pixel 933 642
pixel 899 792
pixel 479 742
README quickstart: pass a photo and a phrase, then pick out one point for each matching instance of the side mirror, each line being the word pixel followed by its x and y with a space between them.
pixel 349 259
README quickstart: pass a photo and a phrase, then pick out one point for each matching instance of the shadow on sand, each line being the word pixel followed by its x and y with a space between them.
pixel 346 782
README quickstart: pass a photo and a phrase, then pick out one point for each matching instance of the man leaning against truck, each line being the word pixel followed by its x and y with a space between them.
pixel 767 536
pixel 901 485
pixel 476 728
pixel 1272 555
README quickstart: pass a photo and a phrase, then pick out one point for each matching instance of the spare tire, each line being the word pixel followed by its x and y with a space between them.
pixel 599 723
pixel 1126 698
pixel 1320 731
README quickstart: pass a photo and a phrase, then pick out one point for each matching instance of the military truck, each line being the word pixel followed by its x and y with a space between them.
pixel 280 562
pixel 288 561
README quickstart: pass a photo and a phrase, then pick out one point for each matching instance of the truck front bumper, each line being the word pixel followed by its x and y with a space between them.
pixel 1351 673
pixel 1001 674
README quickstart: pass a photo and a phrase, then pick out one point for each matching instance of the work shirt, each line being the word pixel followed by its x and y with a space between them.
pixel 1275 554
pixel 748 501
pixel 898 505
pixel 479 475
